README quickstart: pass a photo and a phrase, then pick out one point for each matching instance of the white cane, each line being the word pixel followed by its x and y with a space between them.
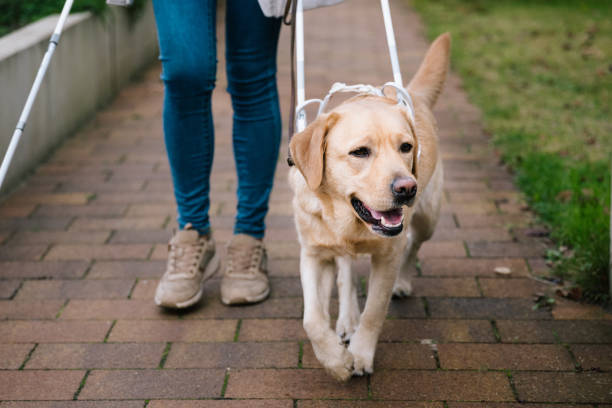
pixel 10 152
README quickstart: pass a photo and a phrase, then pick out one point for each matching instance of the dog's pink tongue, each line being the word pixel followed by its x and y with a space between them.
pixel 376 214
pixel 392 217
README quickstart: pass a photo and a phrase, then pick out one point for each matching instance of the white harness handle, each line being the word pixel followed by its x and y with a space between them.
pixel 403 97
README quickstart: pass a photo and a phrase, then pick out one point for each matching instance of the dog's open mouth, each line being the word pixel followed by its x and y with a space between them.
pixel 388 223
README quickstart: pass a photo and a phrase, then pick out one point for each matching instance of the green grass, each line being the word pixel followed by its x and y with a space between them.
pixel 541 72
pixel 17 13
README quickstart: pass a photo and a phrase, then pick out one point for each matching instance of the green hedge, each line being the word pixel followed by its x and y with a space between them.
pixel 17 13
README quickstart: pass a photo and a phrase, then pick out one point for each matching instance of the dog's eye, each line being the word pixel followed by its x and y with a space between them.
pixel 361 152
pixel 405 147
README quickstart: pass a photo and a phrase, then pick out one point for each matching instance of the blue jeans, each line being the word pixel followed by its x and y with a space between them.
pixel 187 40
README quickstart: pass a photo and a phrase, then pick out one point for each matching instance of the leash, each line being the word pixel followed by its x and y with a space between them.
pixel 297 119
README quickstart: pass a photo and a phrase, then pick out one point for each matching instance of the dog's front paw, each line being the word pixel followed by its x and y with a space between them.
pixel 402 287
pixel 334 357
pixel 341 366
pixel 346 326
pixel 363 356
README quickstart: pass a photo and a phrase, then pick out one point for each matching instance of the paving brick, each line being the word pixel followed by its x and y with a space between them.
pixel 271 330
pixel 35 223
pixel 512 288
pixel 136 236
pixel 504 357
pixel 406 308
pixel 123 309
pixel 471 234
pixel 72 404
pixel 475 207
pixel 525 331
pixel 448 287
pixel 29 309
pixel 581 331
pixel 45 269
pixel 233 355
pixel 472 267
pixel 147 223
pixel 487 249
pixel 8 288
pixel 444 249
pixel 477 308
pixel 75 289
pixel 211 307
pixel 145 210
pixel 49 198
pixel 92 210
pixel 145 288
pixel 366 404
pixel 564 387
pixel 145 384
pixel 16 210
pixel 297 384
pixel 488 221
pixel 152 331
pixel 221 404
pixel 594 356
pixel 13 355
pixel 126 269
pixel 388 355
pixel 104 355
pixel 510 405
pixel 22 252
pixel 39 385
pixel 570 310
pixel 439 331
pixel 103 252
pixel 441 385
pixel 285 287
pixel 41 331
pixel 60 237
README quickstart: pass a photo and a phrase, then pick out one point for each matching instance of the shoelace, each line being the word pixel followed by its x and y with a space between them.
pixel 184 257
pixel 242 259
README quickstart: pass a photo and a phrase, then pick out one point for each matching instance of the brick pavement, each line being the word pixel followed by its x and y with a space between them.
pixel 83 242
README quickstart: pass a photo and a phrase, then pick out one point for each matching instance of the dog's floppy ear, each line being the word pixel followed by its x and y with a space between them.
pixel 308 149
pixel 429 79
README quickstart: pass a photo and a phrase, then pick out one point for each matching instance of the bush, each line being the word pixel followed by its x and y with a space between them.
pixel 17 13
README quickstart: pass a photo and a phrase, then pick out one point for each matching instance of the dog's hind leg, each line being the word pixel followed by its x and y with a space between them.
pixel 348 315
pixel 317 277
pixel 402 286
pixel 422 226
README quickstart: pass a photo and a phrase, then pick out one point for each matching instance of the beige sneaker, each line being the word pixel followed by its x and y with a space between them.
pixel 191 261
pixel 246 277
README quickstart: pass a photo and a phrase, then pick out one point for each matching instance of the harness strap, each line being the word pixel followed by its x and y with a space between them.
pixel 291 9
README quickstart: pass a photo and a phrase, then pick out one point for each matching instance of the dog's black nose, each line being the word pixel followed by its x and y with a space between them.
pixel 404 189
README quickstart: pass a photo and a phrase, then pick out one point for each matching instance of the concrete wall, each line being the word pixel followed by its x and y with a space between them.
pixel 94 58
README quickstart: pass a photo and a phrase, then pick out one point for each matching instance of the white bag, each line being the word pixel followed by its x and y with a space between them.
pixel 276 8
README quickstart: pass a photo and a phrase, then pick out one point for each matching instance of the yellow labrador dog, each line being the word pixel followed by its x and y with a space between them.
pixel 361 188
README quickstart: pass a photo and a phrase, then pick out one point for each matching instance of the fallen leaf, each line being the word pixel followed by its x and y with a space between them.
pixel 564 196
pixel 502 270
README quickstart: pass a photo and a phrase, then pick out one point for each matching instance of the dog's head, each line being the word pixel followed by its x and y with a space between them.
pixel 364 152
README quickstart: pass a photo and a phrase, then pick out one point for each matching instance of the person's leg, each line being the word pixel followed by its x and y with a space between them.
pixel 186 30
pixel 251 48
pixel 187 40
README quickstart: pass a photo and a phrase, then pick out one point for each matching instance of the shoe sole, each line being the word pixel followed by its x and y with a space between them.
pixel 211 269
pixel 246 300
